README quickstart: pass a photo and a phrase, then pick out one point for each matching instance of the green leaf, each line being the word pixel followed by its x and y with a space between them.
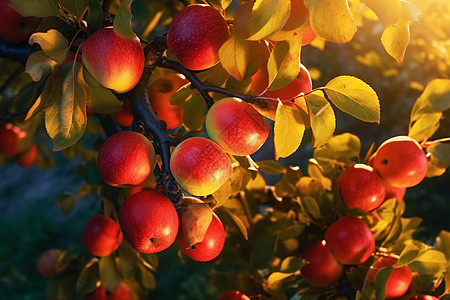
pixel 223 193
pixel 94 16
pixel 430 262
pixel 147 278
pixel 355 97
pixel 262 250
pixel 409 254
pixel 77 8
pixel 234 56
pixel 89 277
pixel 283 65
pixel 331 20
pixel 219 4
pixel 267 17
pixel 109 273
pixel 292 264
pixel 39 65
pixel 271 167
pixel 194 112
pixel 238 222
pixel 343 147
pixel 182 94
pixel 66 202
pixel 321 118
pixel 53 43
pixel 440 152
pixel 288 130
pixel 291 231
pixel 37 8
pixel 395 39
pixel 387 10
pixel 425 126
pixel 311 206
pixel 380 281
pixel 122 22
pixel 435 98
pixel 101 100
pixel 287 185
pixel 65 118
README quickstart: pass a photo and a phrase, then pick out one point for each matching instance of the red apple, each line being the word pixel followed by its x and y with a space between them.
pixel 27 158
pixel 124 117
pixel 126 158
pixel 122 292
pixel 200 166
pixel 322 269
pixel 425 297
pixel 101 235
pixel 399 280
pixel 114 61
pixel 13 27
pixel 71 57
pixel 394 192
pixel 10 139
pixel 233 295
pixel 401 162
pixel 361 187
pixel 212 243
pixel 149 221
pixel 160 92
pixel 196 35
pixel 308 35
pixel 236 126
pixel 351 240
pixel 47 264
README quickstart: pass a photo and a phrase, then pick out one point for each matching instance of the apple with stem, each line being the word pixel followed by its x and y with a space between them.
pixel 15 28
pixel 114 61
pixel 236 126
pixel 196 35
pixel 200 166
pixel 149 221
pixel 101 235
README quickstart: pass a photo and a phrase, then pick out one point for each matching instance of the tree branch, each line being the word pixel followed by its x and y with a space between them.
pixel 18 53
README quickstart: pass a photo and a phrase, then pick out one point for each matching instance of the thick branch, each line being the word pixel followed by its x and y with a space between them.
pixel 18 53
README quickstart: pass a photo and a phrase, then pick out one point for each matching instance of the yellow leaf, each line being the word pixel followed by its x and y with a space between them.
pixel 234 56
pixel 122 23
pixel 288 130
pixel 53 43
pixel 39 65
pixel 395 39
pixel 267 17
pixel 322 119
pixel 387 10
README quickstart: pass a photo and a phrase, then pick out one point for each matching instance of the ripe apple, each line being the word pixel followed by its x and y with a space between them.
pixel 149 221
pixel 394 192
pixel 200 166
pixel 308 35
pixel 236 126
pixel 124 117
pixel 160 92
pixel 399 280
pixel 122 292
pixel 401 162
pixel 47 264
pixel 10 139
pixel 15 28
pixel 351 240
pixel 361 187
pixel 101 235
pixel 126 158
pixel 71 57
pixel 212 243
pixel 233 295
pixel 196 35
pixel 114 61
pixel 28 158
pixel 322 269
pixel 425 297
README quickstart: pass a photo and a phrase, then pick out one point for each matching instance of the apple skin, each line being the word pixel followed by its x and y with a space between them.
pixel 124 117
pixel 126 158
pixel 233 295
pixel 101 235
pixel 298 15
pixel 351 240
pixel 10 139
pixel 361 187
pixel 212 243
pixel 308 35
pixel 200 166
pixel 196 35
pixel 27 158
pixel 394 192
pixel 400 279
pixel 15 28
pixel 401 162
pixel 47 264
pixel 149 221
pixel 122 292
pixel 322 269
pixel 160 92
pixel 236 126
pixel 424 297
pixel 115 62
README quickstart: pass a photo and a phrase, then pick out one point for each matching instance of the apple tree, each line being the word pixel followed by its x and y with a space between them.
pixel 170 104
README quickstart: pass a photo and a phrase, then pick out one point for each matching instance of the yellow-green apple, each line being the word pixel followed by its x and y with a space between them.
pixel 126 158
pixel 28 158
pixel 196 35
pixel 124 117
pixel 47 264
pixel 15 28
pixel 149 221
pixel 399 280
pixel 401 162
pixel 350 239
pixel 322 269
pixel 122 292
pixel 361 187
pixel 160 92
pixel 200 166
pixel 101 235
pixel 236 126
pixel 233 295
pixel 212 243
pixel 114 61
pixel 10 139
